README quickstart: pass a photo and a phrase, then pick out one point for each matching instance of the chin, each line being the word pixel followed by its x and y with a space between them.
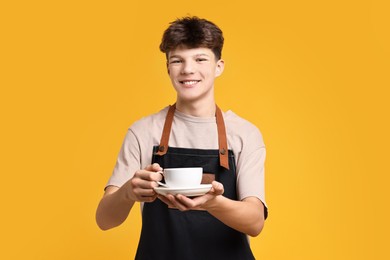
pixel 187 99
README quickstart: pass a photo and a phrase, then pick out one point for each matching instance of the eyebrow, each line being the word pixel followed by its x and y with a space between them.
pixel 196 55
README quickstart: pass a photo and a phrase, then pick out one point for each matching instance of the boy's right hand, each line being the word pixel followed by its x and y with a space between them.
pixel 141 186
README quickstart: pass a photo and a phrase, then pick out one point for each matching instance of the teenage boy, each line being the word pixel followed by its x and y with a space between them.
pixel 193 132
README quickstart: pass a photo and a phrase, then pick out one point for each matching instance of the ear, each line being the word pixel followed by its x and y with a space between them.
pixel 167 67
pixel 219 68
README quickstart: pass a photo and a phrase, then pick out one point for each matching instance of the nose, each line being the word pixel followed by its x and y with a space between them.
pixel 187 68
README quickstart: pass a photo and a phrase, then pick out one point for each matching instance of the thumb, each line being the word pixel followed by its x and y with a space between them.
pixel 155 167
pixel 217 187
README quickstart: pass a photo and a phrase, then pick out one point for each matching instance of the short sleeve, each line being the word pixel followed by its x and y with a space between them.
pixel 250 168
pixel 128 161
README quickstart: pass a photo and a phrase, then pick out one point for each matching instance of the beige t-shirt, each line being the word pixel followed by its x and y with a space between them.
pixel 244 139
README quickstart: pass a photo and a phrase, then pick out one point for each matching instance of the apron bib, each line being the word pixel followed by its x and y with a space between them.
pixel 171 234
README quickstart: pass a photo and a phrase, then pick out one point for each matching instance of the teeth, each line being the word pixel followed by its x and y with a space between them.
pixel 189 82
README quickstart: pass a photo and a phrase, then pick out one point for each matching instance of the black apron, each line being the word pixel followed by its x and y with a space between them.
pixel 172 234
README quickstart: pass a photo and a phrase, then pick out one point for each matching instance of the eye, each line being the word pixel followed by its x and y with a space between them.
pixel 201 59
pixel 175 61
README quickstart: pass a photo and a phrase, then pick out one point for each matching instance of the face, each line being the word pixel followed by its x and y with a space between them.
pixel 192 72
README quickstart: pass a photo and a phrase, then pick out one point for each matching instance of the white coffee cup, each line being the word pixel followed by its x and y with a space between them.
pixel 183 177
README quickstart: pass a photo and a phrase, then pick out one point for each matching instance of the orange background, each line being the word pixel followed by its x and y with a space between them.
pixel 312 75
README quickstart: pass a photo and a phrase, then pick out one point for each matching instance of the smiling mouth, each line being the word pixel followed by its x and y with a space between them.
pixel 189 82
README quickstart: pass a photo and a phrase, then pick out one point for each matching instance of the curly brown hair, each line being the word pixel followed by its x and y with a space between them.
pixel 192 32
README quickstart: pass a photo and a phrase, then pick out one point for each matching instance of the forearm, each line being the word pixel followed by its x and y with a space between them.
pixel 246 216
pixel 113 209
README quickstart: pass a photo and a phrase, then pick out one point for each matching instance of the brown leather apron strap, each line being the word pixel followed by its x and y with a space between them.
pixel 163 148
pixel 222 139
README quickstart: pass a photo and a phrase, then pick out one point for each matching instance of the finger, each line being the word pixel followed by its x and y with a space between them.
pixel 196 202
pixel 148 198
pixel 142 183
pixel 149 167
pixel 148 175
pixel 165 200
pixel 144 192
pixel 156 176
pixel 191 203
pixel 176 203
pixel 155 167
pixel 217 188
pixel 188 202
pixel 153 177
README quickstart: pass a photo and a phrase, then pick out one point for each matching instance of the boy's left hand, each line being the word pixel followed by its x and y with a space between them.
pixel 184 203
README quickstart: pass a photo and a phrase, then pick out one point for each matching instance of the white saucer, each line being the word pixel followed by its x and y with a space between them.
pixel 189 192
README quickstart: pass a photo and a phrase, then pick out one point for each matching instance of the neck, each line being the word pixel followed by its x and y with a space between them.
pixel 198 109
